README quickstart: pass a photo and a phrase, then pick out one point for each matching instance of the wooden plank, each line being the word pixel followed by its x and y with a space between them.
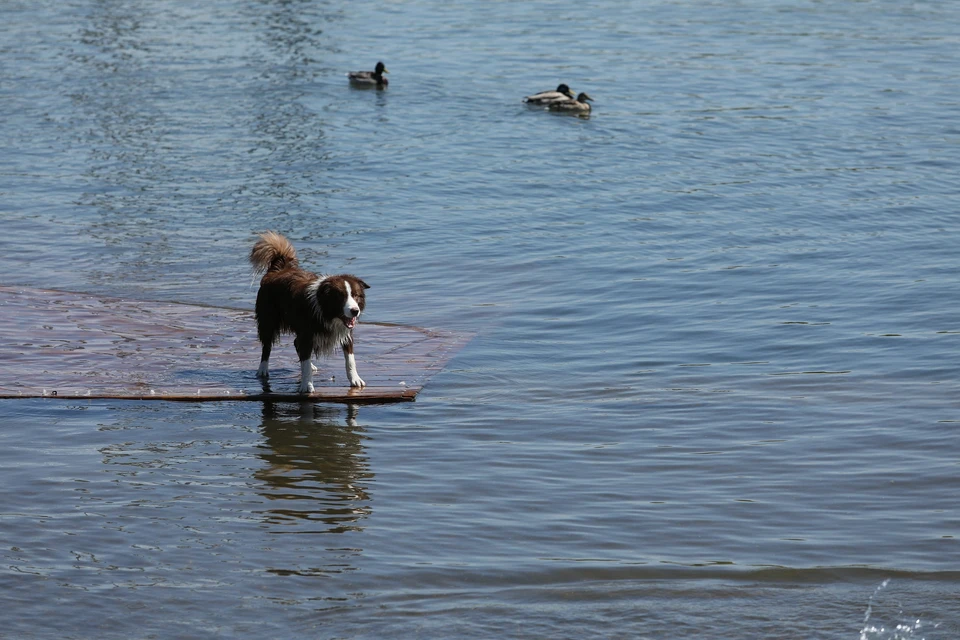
pixel 65 345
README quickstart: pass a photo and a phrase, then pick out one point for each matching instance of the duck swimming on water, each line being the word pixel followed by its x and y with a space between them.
pixel 370 78
pixel 561 93
pixel 580 105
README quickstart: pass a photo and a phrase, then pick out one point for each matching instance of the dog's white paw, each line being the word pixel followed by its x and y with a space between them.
pixel 306 388
pixel 262 371
pixel 357 381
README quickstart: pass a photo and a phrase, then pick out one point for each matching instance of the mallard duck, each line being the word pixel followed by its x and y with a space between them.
pixel 370 78
pixel 562 92
pixel 580 105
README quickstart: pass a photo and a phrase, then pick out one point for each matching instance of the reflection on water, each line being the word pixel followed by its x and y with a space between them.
pixel 303 470
pixel 767 188
pixel 316 474
pixel 140 190
pixel 283 170
pixel 125 126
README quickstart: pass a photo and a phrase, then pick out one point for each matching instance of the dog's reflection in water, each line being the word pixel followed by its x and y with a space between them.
pixel 315 470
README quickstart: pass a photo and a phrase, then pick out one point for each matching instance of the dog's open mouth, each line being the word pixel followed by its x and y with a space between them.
pixel 350 322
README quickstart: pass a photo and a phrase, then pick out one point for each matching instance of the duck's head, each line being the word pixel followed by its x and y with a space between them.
pixel 565 90
pixel 380 69
pixel 583 97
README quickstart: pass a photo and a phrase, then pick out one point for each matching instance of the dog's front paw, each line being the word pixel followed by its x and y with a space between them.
pixel 357 381
pixel 306 388
pixel 262 371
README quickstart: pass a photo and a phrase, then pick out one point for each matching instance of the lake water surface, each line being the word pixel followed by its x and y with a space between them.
pixel 714 390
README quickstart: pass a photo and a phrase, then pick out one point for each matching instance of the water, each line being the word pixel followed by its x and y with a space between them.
pixel 713 392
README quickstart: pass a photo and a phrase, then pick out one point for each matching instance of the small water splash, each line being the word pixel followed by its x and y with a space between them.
pixel 901 630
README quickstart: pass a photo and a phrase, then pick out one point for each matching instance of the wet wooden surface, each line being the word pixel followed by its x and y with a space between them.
pixel 55 344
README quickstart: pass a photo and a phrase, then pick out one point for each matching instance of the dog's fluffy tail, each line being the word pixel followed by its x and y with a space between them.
pixel 272 253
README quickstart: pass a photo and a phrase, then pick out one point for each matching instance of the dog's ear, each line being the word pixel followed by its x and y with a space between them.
pixel 363 284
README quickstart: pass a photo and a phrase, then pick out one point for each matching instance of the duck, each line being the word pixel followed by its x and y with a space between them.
pixel 579 105
pixel 370 78
pixel 561 93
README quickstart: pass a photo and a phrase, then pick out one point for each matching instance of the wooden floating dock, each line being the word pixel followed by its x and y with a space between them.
pixel 64 345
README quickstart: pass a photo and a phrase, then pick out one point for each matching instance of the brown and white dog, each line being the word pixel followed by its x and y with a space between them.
pixel 321 311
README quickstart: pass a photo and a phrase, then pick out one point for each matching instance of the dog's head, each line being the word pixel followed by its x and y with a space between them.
pixel 342 298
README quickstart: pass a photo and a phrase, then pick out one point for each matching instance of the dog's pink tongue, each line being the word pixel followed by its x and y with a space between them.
pixel 351 322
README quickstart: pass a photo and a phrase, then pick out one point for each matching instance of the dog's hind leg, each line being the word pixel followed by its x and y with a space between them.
pixel 263 371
